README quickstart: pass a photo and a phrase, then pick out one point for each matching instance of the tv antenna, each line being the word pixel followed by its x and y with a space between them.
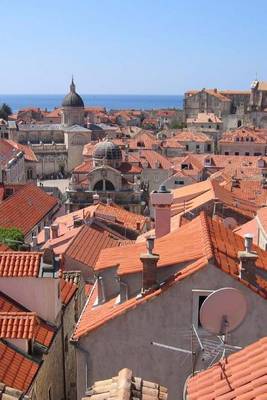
pixel 220 314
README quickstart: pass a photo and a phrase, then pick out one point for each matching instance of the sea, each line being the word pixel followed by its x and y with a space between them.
pixel 110 102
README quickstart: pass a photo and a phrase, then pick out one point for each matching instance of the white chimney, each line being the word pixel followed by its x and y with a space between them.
pixel 96 198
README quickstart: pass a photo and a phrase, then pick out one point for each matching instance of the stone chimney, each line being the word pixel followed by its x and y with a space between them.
pixel 96 198
pixel 161 200
pixel 149 261
pixel 54 230
pixel 46 233
pixel 247 259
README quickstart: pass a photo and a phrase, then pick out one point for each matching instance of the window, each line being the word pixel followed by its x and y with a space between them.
pixel 209 147
pixel 247 153
pixel 186 147
pixel 199 297
pixel 197 146
pixel 217 127
pixel 29 174
pixel 50 397
pixel 236 153
pixel 184 166
pixel 179 182
pixel 226 153
pixel 239 123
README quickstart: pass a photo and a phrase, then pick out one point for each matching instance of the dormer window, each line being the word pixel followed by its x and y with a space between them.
pixel 184 166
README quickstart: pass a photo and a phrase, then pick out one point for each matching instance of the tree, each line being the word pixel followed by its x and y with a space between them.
pixel 12 237
pixel 5 111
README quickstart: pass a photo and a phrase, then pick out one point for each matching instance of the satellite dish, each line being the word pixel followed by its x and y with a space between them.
pixel 223 311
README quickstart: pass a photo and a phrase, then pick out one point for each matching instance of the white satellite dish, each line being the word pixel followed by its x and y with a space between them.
pixel 223 311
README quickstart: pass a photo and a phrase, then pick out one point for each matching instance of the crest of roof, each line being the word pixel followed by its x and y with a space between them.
pixel 126 386
pixel 110 212
pixel 202 241
pixel 26 208
pixel 16 370
pixel 19 264
pixel 204 118
pixel 154 160
pixel 212 92
pixel 43 333
pixel 242 375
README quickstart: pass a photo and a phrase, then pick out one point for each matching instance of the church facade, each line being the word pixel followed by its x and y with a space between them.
pixel 58 147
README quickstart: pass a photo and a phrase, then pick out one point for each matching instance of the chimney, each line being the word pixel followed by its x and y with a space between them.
pixel 34 243
pixel 247 259
pixel 46 233
pixel 161 200
pixel 149 261
pixel 54 230
pixel 109 201
pixel 95 198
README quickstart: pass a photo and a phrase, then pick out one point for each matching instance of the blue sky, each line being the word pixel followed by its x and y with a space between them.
pixel 131 46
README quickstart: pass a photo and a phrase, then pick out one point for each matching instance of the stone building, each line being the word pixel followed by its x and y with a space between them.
pixel 58 146
pixel 109 177
pixel 155 296
pixel 244 141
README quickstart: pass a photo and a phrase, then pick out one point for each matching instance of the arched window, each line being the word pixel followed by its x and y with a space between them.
pixel 29 174
pixel 104 186
pixel 239 123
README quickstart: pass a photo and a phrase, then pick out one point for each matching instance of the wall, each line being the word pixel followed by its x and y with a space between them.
pixel 41 295
pixel 243 147
pixel 124 342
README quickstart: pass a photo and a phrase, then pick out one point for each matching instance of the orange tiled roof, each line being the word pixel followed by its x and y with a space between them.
pixel 23 264
pixel 43 332
pixel 17 325
pixel 190 136
pixel 245 135
pixel 26 208
pixel 16 370
pixel 28 152
pixel 84 168
pixel 212 92
pixel 111 212
pixel 87 244
pixel 189 247
pixel 240 376
pixel 207 239
pixel 67 290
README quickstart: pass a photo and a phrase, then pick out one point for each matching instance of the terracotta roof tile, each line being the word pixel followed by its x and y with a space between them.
pixel 241 376
pixel 67 290
pixel 16 370
pixel 17 325
pixel 27 150
pixel 23 264
pixel 126 386
pixel 245 135
pixel 43 332
pixel 26 208
pixel 201 240
pixel 87 244
pixel 189 247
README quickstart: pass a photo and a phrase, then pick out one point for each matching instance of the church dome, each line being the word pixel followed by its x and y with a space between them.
pixel 107 151
pixel 72 99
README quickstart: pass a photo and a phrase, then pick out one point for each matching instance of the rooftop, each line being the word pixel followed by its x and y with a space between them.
pixel 242 375
pixel 26 208
pixel 16 370
pixel 127 387
pixel 19 264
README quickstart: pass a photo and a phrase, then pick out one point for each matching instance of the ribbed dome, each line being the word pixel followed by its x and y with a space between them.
pixel 72 99
pixel 107 150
